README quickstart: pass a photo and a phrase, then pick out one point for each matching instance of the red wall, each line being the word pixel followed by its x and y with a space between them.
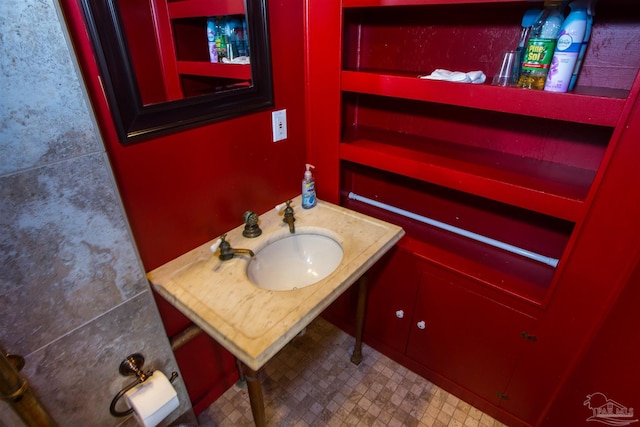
pixel 608 366
pixel 184 189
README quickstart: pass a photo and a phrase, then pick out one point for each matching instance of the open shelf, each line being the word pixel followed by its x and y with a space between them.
pixel 195 8
pixel 203 85
pixel 385 49
pixel 598 106
pixel 550 188
pixel 210 69
pixel 180 27
pixel 379 3
pixel 192 52
pixel 527 279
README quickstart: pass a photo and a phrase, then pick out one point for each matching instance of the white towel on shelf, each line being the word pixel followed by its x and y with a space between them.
pixel 237 60
pixel 476 77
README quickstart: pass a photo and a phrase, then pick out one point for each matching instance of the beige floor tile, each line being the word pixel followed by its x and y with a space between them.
pixel 312 383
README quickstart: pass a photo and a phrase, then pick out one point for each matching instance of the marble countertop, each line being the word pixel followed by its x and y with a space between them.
pixel 252 323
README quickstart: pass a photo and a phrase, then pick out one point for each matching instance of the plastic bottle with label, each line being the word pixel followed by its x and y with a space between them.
pixel 540 46
pixel 567 49
pixel 308 189
pixel 589 5
pixel 528 19
pixel 211 39
pixel 221 38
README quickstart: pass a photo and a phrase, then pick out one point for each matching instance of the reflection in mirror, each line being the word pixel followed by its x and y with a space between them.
pixel 171 64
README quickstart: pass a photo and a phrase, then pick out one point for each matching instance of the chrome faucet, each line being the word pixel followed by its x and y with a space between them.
pixel 227 252
pixel 289 218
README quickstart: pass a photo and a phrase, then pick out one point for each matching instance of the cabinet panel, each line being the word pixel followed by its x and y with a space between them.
pixel 466 337
pixel 609 364
pixel 392 295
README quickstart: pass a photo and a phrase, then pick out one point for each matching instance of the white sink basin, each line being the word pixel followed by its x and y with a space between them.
pixel 294 262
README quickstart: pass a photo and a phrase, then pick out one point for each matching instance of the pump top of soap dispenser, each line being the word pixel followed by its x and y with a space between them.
pixel 307 174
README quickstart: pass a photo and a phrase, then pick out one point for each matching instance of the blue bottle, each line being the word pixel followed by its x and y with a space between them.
pixel 211 39
pixel 309 189
pixel 588 4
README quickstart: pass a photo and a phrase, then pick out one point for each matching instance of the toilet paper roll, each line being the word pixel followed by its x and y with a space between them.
pixel 153 400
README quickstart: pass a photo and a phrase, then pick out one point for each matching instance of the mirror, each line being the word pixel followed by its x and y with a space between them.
pixel 160 72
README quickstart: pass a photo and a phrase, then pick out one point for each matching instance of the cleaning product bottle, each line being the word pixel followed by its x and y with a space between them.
pixel 309 189
pixel 540 46
pixel 211 39
pixel 588 4
pixel 567 49
pixel 221 37
pixel 528 19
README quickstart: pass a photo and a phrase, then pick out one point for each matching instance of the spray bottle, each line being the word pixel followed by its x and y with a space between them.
pixel 540 46
pixel 589 5
pixel 528 19
pixel 211 39
pixel 567 49
pixel 309 189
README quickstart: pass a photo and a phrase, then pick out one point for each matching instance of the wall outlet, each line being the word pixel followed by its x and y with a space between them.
pixel 279 123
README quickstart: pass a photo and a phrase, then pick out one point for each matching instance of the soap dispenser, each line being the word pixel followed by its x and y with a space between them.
pixel 308 189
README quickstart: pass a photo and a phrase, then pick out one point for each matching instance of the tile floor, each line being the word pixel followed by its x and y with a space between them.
pixel 312 383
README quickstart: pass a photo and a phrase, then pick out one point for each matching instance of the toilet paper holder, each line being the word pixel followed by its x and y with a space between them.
pixel 131 366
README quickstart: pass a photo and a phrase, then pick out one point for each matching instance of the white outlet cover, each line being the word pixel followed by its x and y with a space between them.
pixel 279 124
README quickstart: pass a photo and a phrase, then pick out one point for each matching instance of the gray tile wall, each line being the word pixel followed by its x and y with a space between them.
pixel 74 300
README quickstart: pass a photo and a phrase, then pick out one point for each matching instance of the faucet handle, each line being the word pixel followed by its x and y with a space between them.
pixel 289 217
pixel 284 205
pixel 280 207
pixel 217 243
pixel 226 251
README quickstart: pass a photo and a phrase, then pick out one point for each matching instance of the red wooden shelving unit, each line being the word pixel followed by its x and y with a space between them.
pixel 529 168
pixel 538 151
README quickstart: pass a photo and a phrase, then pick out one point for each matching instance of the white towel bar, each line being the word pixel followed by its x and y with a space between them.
pixel 553 262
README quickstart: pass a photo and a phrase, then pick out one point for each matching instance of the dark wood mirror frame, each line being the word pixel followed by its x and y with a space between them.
pixel 135 121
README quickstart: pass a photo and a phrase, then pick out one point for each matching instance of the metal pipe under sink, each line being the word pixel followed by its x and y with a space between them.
pixel 14 389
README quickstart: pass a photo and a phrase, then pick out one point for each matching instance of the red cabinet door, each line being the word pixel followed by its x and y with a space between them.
pixel 392 291
pixel 466 337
